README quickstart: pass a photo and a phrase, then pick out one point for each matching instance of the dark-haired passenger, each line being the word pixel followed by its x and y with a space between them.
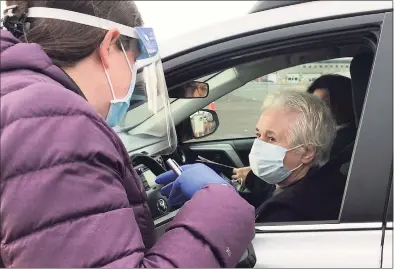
pixel 336 91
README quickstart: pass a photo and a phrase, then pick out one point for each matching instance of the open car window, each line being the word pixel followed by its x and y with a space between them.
pixel 239 110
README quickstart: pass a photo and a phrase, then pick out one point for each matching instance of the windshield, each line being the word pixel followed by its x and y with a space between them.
pixel 140 129
pixel 135 116
pixel 138 111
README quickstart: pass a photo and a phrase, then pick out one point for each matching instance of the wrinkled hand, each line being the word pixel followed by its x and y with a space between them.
pixel 182 188
pixel 239 174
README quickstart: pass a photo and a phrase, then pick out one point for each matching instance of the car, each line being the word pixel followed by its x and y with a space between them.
pixel 280 38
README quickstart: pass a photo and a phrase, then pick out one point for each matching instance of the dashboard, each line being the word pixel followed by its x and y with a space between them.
pixel 158 204
pixel 147 177
pixel 148 168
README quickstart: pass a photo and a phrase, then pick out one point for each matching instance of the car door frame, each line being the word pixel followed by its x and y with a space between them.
pixel 387 234
pixel 351 217
pixel 362 148
pixel 230 146
pixel 364 203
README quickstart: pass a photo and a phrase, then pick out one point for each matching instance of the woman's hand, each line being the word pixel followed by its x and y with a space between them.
pixel 239 174
pixel 180 189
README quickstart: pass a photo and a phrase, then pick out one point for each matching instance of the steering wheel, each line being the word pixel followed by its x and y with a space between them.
pixel 157 169
pixel 149 162
pixel 248 259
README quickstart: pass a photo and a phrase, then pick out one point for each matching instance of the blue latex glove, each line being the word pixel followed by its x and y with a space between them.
pixel 182 188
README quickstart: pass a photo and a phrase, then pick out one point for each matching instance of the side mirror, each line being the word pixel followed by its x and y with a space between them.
pixel 204 122
pixel 192 89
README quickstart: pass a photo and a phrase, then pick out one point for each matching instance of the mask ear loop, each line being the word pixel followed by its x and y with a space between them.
pixel 125 55
pixel 296 147
pixel 131 67
pixel 301 164
pixel 108 78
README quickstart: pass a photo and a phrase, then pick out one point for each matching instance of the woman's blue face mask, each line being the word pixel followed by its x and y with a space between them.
pixel 119 107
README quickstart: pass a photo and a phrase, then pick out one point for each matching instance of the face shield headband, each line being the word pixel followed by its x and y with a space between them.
pixel 145 36
pixel 148 63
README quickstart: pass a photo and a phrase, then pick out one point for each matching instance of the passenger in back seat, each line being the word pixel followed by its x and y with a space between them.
pixel 336 91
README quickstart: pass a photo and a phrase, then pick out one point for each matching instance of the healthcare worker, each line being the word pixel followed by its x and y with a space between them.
pixel 69 196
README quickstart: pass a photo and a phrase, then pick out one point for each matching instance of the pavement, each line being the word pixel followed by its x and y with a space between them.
pixel 239 111
pixel 237 119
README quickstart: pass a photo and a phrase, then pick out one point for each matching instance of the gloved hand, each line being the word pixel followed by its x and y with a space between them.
pixel 182 188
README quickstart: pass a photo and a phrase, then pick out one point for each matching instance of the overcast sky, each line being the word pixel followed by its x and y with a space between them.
pixel 171 18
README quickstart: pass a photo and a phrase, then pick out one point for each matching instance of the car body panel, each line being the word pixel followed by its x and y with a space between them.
pixel 355 239
pixel 387 255
pixel 370 166
pixel 182 107
pixel 354 245
pixel 274 18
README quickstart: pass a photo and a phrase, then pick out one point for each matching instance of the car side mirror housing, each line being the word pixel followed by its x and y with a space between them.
pixel 204 123
pixel 190 90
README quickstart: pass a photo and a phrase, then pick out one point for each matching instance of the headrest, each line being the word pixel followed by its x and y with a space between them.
pixel 360 70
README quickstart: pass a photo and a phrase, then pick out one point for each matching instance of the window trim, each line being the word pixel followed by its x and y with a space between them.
pixel 371 162
pixel 317 227
pixel 194 64
pixel 191 58
pixel 389 214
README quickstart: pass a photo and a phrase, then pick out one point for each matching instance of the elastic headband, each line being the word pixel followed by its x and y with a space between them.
pixel 71 16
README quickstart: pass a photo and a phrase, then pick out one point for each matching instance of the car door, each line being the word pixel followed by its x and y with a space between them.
pixel 355 238
pixel 387 236
pixel 232 146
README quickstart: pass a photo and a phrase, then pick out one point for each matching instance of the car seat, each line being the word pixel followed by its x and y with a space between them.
pixel 360 71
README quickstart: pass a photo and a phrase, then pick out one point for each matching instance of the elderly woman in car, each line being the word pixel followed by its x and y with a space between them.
pixel 289 164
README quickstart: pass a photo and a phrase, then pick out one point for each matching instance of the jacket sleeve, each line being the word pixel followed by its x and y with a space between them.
pixel 63 202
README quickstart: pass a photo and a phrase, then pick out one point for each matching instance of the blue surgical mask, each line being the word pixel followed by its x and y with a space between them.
pixel 266 162
pixel 118 107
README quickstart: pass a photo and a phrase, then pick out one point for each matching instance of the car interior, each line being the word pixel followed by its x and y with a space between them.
pixel 234 78
pixel 234 152
pixel 229 71
pixel 226 81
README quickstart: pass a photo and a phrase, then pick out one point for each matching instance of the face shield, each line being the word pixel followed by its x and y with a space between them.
pixel 149 113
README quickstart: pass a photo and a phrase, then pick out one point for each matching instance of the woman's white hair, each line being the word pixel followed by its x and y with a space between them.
pixel 315 126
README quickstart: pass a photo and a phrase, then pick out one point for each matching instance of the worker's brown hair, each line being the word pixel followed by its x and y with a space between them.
pixel 65 42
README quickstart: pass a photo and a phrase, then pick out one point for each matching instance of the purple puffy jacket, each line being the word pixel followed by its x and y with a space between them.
pixel 69 196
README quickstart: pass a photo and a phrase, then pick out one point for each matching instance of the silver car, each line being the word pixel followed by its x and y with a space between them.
pixel 279 38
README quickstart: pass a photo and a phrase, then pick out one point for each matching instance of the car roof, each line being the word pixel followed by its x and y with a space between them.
pixel 266 5
pixel 275 17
